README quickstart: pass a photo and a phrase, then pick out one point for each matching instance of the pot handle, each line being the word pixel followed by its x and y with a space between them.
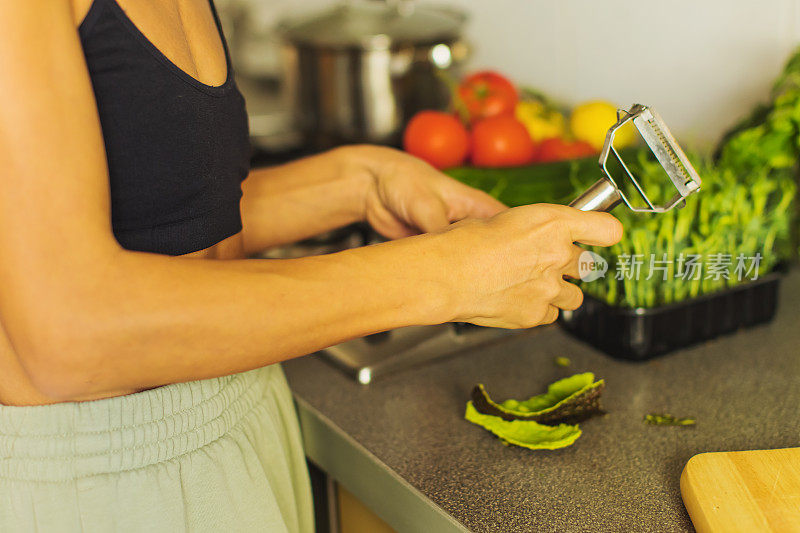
pixel 443 56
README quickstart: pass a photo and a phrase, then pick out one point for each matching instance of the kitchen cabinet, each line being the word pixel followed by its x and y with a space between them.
pixel 355 517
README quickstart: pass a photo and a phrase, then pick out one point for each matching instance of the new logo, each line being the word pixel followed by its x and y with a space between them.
pixel 591 266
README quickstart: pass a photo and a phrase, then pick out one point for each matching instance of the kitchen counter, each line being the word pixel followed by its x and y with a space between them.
pixel 401 444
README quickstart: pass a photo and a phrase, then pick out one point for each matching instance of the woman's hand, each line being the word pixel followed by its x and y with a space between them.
pixel 398 194
pixel 509 271
pixel 405 196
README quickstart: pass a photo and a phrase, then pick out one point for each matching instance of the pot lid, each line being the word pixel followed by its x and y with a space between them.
pixel 374 24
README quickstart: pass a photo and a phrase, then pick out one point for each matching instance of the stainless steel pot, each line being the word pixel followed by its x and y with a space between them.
pixel 358 71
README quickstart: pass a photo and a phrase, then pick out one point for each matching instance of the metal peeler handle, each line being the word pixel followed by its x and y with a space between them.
pixel 601 196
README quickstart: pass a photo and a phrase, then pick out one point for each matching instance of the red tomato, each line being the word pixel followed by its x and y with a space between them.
pixel 488 94
pixel 438 138
pixel 501 142
pixel 558 149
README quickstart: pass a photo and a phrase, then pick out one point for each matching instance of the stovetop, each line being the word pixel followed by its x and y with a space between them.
pixel 392 351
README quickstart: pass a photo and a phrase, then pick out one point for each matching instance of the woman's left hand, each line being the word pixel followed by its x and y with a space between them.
pixel 405 196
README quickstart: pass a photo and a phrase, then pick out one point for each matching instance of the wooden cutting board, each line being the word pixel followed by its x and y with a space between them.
pixel 750 491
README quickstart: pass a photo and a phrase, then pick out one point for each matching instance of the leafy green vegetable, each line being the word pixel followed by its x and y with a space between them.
pixel 563 362
pixel 732 216
pixel 667 420
pixel 768 138
pixel 569 400
pixel 745 208
pixel 768 141
pixel 527 434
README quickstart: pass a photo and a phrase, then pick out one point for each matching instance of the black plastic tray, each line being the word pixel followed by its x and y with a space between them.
pixel 640 334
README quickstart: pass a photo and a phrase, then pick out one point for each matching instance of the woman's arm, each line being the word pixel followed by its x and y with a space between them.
pixel 398 194
pixel 297 200
pixel 85 316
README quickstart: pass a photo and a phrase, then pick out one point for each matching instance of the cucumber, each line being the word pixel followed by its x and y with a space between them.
pixel 542 183
pixel 555 183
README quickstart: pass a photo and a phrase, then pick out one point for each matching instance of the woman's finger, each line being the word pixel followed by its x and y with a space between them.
pixel 387 224
pixel 481 205
pixel 572 270
pixel 429 214
pixel 551 315
pixel 466 202
pixel 594 228
pixel 588 227
pixel 570 297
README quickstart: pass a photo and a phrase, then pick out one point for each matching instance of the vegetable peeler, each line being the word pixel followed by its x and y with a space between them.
pixel 605 193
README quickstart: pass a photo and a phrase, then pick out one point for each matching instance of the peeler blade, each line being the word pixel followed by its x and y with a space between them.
pixel 607 193
pixel 667 151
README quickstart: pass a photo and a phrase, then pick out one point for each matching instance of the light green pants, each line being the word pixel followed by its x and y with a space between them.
pixel 221 454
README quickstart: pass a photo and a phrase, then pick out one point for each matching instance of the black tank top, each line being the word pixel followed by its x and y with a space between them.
pixel 177 149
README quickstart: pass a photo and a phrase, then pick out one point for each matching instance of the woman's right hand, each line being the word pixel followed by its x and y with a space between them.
pixel 508 271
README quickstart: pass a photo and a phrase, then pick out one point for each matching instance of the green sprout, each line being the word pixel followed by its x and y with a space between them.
pixel 563 362
pixel 668 420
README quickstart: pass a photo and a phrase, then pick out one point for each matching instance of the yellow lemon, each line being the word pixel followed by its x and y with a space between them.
pixel 590 122
pixel 542 123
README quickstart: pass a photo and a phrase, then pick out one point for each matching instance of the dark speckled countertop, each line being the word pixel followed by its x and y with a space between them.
pixel 621 475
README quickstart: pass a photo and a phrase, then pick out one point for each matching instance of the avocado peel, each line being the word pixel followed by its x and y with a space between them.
pixel 525 433
pixel 569 400
pixel 546 421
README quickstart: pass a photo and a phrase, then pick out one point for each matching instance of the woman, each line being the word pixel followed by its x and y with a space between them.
pixel 137 347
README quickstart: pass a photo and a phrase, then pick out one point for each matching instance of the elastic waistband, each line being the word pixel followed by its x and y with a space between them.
pixel 67 441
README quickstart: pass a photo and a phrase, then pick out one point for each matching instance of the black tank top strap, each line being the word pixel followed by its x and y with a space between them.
pixel 218 23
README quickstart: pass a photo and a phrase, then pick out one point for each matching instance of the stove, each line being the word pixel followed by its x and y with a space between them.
pixel 385 353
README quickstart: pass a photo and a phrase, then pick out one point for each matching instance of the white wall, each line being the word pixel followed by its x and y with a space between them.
pixel 701 63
